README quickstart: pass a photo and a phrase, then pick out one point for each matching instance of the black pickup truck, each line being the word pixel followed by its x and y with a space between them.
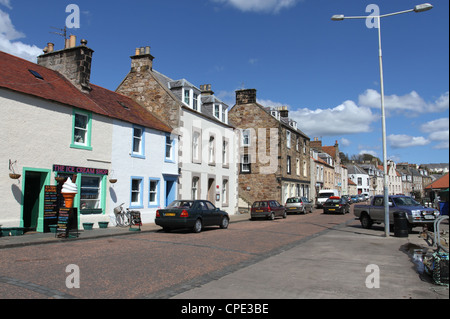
pixel 417 214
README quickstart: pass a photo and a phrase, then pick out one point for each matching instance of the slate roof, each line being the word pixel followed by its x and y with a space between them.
pixel 15 75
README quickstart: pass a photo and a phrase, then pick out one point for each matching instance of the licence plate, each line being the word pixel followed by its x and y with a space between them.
pixel 332 209
pixel 428 217
pixel 291 207
pixel 169 214
pixel 259 211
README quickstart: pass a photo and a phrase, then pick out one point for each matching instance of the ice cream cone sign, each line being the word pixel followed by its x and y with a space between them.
pixel 69 190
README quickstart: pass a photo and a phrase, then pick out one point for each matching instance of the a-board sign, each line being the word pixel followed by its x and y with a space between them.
pixel 67 221
pixel 50 207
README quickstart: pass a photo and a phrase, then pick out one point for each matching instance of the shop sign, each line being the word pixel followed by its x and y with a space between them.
pixel 79 170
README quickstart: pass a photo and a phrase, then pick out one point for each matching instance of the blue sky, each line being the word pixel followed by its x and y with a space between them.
pixel 326 72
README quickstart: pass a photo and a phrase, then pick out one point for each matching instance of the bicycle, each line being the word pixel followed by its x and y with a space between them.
pixel 126 217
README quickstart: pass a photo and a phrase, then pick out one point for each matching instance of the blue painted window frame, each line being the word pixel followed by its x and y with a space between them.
pixel 141 192
pixel 158 192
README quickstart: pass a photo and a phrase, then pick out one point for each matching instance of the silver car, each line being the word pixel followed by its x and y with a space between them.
pixel 298 205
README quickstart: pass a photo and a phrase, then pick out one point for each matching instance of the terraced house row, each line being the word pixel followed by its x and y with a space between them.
pixel 153 140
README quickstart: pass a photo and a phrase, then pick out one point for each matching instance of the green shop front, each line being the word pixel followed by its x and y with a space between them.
pixel 40 202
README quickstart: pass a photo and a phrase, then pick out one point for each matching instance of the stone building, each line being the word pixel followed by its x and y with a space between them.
pixel 274 155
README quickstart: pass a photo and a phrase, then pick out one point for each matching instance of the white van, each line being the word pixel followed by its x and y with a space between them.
pixel 324 194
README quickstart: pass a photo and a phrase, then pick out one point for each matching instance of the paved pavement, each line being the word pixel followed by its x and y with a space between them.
pixel 331 264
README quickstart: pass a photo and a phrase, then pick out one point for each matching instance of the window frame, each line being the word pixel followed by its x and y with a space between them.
pixel 138 204
pixel 87 145
pixel 141 153
pixel 156 203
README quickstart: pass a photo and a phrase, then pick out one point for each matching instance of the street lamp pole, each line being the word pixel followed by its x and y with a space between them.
pixel 418 8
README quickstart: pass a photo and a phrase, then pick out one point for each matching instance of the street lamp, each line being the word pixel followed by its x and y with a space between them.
pixel 340 17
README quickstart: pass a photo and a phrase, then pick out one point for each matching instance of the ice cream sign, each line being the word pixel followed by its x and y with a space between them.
pixel 79 170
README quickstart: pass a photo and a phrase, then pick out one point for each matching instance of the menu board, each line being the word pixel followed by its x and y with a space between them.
pixel 50 207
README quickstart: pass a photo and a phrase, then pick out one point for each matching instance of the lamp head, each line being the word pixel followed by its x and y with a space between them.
pixel 423 7
pixel 338 17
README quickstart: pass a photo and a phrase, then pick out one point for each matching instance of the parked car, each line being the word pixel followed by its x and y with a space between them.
pixel 298 205
pixel 267 209
pixel 194 214
pixel 361 198
pixel 336 204
pixel 416 214
pixel 354 198
pixel 324 194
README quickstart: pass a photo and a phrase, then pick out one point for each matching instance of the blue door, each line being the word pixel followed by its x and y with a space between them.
pixel 170 183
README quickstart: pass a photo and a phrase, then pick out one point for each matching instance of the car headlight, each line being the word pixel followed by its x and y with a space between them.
pixel 415 213
pixel 436 213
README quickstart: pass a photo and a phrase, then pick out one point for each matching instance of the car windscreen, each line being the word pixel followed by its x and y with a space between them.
pixel 333 201
pixel 405 201
pixel 293 200
pixel 325 195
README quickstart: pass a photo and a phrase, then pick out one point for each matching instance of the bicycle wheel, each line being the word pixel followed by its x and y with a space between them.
pixel 126 219
pixel 119 220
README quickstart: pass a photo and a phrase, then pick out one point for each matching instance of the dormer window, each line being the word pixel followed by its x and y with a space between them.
pixel 187 96
pixel 217 111
pixel 195 102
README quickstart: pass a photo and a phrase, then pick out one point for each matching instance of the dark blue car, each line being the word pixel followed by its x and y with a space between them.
pixel 194 214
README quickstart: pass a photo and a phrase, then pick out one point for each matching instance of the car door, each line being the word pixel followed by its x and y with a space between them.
pixel 215 213
pixel 205 213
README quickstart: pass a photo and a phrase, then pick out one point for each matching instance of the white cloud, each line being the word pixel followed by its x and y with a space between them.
pixel 344 142
pixel 403 141
pixel 436 125
pixel 6 3
pixel 406 104
pixel 266 6
pixel 8 35
pixel 438 131
pixel 347 118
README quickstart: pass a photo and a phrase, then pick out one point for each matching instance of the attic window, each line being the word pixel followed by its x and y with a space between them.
pixel 123 105
pixel 36 74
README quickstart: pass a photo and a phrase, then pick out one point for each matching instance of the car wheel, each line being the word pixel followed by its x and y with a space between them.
pixel 284 214
pixel 197 226
pixel 366 222
pixel 272 216
pixel 225 222
pixel 304 211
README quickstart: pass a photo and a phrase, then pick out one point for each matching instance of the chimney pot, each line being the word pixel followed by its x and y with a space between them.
pixel 138 51
pixel 50 47
pixel 72 41
pixel 83 42
pixel 147 50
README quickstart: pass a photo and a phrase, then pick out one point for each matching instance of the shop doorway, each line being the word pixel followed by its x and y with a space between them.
pixel 33 199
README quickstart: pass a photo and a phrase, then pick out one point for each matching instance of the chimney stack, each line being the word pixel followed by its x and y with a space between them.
pixel 142 60
pixel 284 112
pixel 246 96
pixel 206 89
pixel 73 62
